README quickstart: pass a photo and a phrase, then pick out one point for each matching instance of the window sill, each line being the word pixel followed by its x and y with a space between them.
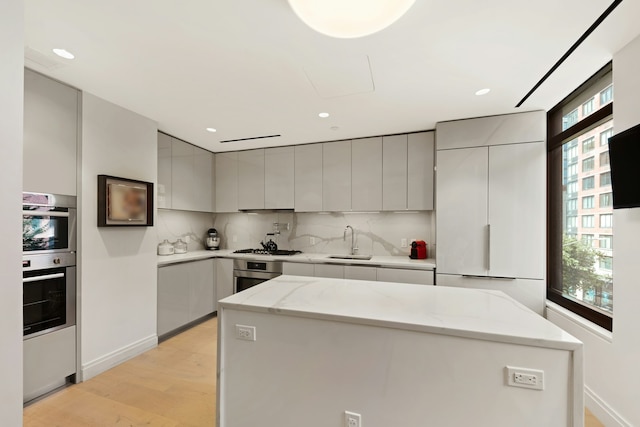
pixel 580 321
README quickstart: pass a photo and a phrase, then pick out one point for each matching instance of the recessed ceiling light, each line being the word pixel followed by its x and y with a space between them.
pixel 63 53
pixel 323 115
pixel 483 91
pixel 212 130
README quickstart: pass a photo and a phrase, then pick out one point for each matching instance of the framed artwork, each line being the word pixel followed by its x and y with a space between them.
pixel 124 202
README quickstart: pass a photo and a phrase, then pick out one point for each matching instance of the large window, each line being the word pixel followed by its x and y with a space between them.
pixel 580 249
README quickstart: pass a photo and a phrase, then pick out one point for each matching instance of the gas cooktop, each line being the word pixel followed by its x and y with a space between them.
pixel 278 252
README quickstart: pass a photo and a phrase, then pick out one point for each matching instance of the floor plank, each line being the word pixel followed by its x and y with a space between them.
pixel 172 385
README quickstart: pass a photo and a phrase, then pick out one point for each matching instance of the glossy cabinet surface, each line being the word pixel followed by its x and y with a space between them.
pixel 394 172
pixel 517 213
pixel 494 130
pixel 51 123
pixel 420 174
pixel 298 269
pixel 462 226
pixel 366 174
pixel 226 182
pixel 399 275
pixel 186 292
pixel 279 178
pixel 329 270
pixel 165 191
pixel 359 272
pixel 251 188
pixel 336 176
pixel 191 175
pixel 308 178
pixel 224 278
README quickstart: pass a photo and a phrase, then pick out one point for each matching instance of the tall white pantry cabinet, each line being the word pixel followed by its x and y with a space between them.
pixel 490 202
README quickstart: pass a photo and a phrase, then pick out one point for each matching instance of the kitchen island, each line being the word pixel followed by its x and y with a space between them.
pixel 305 350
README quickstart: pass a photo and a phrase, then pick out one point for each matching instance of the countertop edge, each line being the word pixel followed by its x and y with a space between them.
pixel 426 265
pixel 460 333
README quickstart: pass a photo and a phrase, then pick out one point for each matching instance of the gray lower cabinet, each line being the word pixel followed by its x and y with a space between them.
pixel 186 292
pixel 224 278
pixel 298 269
pixel 399 275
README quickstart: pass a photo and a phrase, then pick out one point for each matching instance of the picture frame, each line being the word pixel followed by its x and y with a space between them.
pixel 124 202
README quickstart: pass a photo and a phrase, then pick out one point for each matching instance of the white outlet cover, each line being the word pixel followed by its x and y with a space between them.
pixel 351 419
pixel 512 371
pixel 246 333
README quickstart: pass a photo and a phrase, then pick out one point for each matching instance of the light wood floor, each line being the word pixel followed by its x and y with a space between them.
pixel 171 385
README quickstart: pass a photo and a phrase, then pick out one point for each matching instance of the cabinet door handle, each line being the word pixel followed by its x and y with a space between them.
pixel 488 247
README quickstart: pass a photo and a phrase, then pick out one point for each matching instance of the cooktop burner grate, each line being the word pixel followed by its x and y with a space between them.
pixel 279 252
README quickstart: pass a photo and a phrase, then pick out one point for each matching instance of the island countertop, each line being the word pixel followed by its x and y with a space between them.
pixel 467 313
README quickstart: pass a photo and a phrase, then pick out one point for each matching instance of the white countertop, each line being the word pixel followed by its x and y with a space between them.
pixel 468 313
pixel 311 258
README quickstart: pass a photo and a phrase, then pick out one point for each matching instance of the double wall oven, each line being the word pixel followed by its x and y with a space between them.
pixel 49 291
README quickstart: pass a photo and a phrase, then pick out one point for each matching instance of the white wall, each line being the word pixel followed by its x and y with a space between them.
pixel 117 266
pixel 611 365
pixel 11 88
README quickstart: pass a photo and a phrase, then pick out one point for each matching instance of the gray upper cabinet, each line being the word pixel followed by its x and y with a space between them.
pixel 394 172
pixel 204 189
pixel 336 176
pixel 182 175
pixel 186 181
pixel 279 178
pixel 51 117
pixel 251 179
pixel 494 130
pixel 420 161
pixel 164 171
pixel 308 178
pixel 226 182
pixel 366 174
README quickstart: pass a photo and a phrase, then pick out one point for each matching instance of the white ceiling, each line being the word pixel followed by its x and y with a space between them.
pixel 252 68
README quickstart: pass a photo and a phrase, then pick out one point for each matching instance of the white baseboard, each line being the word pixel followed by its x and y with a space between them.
pixel 108 361
pixel 602 410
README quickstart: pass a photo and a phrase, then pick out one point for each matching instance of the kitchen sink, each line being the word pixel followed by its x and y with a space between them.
pixel 358 257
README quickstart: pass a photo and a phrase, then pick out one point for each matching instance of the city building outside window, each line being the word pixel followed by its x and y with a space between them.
pixel 580 220
pixel 604 137
pixel 606 95
pixel 606 200
pixel 587 107
pixel 588 202
pixel 588 145
pixel 606 220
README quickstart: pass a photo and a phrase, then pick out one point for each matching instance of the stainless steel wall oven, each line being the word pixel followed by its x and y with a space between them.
pixel 249 273
pixel 48 223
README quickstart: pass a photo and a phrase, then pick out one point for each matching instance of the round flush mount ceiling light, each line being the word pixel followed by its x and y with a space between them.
pixel 323 115
pixel 63 53
pixel 483 91
pixel 349 18
pixel 211 130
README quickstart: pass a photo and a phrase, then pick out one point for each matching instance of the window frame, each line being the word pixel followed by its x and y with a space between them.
pixel 557 135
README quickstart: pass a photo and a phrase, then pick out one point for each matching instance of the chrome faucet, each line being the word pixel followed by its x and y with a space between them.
pixel 354 248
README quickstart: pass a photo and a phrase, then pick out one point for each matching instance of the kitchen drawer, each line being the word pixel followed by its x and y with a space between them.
pixel 298 269
pixel 398 275
pixel 330 271
pixel 356 272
